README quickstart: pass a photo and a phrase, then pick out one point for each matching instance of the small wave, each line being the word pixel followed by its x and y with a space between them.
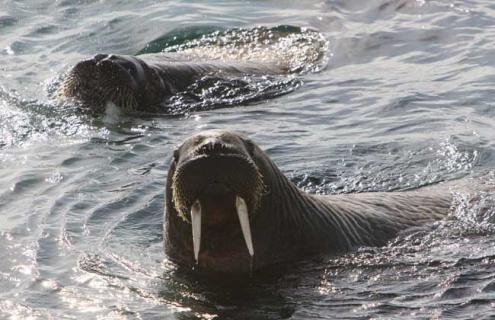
pixel 302 49
pixel 388 167
pixel 24 121
pixel 210 92
pixel 474 212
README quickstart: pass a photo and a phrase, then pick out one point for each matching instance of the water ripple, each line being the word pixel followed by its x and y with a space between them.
pixel 404 99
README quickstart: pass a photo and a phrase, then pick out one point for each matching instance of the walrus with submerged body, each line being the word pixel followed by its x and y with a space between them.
pixel 233 58
pixel 230 209
pixel 144 82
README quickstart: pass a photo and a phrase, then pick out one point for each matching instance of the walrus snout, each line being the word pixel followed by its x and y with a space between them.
pixel 113 78
pixel 214 174
pixel 214 158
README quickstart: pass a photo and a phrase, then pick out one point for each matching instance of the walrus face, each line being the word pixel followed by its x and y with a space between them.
pixel 216 186
pixel 125 81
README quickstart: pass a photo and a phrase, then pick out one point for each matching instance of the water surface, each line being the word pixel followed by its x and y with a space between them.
pixel 405 99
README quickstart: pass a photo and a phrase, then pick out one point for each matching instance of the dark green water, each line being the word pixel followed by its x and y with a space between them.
pixel 405 99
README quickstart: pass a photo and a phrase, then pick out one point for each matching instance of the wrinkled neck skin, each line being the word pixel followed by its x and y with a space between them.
pixel 294 223
pixel 291 224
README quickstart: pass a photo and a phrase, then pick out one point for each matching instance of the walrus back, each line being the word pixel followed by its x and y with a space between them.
pixel 371 219
pixel 193 65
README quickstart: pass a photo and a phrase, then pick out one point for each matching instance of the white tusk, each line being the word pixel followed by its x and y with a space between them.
pixel 242 212
pixel 196 228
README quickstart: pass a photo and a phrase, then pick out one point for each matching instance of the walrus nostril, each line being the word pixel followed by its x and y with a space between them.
pixel 100 56
pixel 111 70
pixel 212 147
pixel 130 65
pixel 84 66
pixel 105 63
pixel 117 73
pixel 107 56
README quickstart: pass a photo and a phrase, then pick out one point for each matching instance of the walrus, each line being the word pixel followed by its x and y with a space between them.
pixel 144 82
pixel 229 209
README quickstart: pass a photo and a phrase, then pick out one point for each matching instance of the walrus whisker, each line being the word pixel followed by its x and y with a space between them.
pixel 125 99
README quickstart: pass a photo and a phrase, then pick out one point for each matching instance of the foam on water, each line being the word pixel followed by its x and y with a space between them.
pixel 301 49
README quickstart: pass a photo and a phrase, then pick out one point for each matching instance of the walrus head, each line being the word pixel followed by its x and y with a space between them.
pixel 214 190
pixel 125 81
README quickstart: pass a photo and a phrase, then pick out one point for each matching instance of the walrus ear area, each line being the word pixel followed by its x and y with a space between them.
pixel 176 155
pixel 179 152
pixel 170 175
pixel 169 199
pixel 250 146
